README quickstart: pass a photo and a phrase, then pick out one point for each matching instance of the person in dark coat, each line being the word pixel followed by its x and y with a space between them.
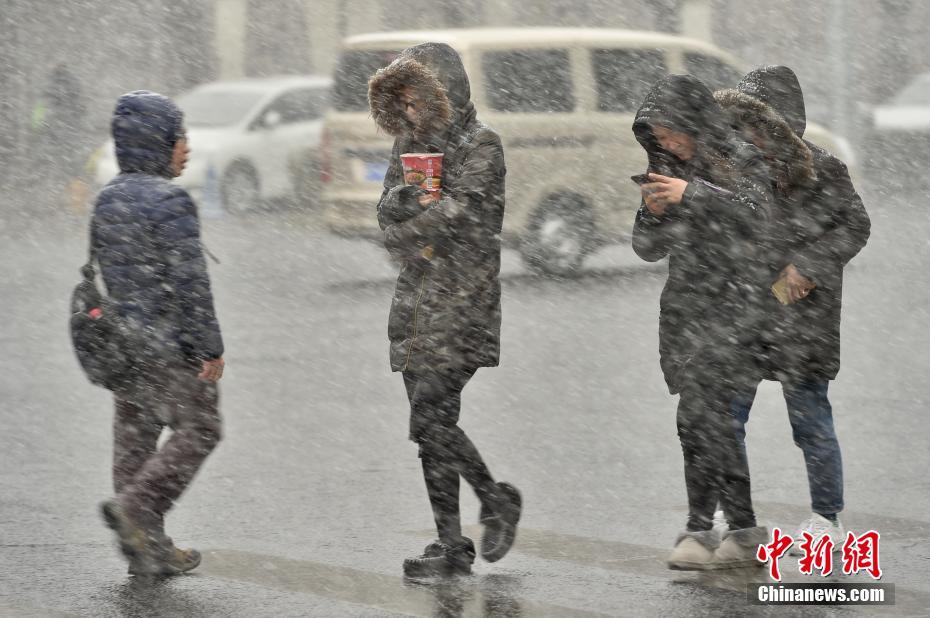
pixel 446 315
pixel 819 225
pixel 60 135
pixel 145 235
pixel 706 209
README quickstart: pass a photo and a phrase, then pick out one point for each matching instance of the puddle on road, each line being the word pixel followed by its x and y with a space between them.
pixel 476 595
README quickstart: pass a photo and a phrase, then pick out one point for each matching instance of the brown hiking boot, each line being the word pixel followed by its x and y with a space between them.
pixel 171 561
pixel 133 540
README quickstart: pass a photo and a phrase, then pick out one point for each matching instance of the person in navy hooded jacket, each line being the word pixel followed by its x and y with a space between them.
pixel 145 236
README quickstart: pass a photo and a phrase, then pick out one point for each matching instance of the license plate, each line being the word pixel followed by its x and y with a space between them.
pixel 375 170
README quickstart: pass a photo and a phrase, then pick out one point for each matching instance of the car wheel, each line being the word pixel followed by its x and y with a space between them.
pixel 559 237
pixel 240 189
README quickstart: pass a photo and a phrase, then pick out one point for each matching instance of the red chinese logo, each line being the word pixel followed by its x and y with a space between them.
pixel 861 554
pixel 817 554
pixel 773 551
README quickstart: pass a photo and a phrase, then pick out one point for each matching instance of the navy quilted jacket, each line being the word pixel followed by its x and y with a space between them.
pixel 146 234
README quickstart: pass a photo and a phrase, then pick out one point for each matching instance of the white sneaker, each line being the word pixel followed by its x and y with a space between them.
pixel 817 526
pixel 720 522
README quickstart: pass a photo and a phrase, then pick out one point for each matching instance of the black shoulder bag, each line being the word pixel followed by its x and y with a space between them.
pixel 106 345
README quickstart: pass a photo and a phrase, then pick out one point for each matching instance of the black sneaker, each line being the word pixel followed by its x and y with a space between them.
pixel 500 524
pixel 441 560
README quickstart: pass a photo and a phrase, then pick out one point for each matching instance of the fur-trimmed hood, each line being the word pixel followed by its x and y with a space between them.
pixel 791 159
pixel 436 73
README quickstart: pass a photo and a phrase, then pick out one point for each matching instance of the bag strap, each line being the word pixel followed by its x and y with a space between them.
pixel 87 270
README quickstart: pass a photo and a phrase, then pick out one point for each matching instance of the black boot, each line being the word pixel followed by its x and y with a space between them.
pixel 442 560
pixel 500 523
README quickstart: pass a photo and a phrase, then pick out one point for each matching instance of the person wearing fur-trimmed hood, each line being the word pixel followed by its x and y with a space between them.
pixel 445 316
pixel 819 224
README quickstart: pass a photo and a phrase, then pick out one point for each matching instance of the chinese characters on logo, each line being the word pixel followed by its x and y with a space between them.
pixel 858 554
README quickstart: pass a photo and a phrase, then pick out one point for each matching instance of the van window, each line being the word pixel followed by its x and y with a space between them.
pixel 301 105
pixel 355 67
pixel 624 76
pixel 715 73
pixel 532 80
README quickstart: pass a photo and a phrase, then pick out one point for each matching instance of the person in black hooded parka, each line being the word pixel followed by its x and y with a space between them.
pixel 819 225
pixel 706 209
pixel 445 315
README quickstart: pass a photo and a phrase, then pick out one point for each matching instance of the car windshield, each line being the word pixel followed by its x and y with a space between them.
pixel 218 108
pixel 917 93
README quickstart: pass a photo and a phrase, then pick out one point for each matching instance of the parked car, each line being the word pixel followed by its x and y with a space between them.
pixel 899 141
pixel 254 138
pixel 563 101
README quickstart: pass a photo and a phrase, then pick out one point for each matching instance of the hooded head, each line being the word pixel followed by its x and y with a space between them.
pixel 145 128
pixel 435 75
pixel 779 88
pixel 681 103
pixel 789 157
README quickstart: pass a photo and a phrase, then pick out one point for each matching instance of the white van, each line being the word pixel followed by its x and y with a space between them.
pixel 563 101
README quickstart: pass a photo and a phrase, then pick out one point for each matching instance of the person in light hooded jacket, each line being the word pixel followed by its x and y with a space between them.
pixel 445 316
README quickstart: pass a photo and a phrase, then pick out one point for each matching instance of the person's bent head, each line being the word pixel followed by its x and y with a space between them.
pixel 421 93
pixel 679 120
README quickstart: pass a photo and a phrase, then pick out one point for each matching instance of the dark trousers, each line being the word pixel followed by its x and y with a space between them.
pixel 811 418
pixel 148 480
pixel 715 465
pixel 446 452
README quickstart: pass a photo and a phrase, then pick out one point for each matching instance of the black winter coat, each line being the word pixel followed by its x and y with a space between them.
pixel 710 309
pixel 446 309
pixel 819 229
pixel 146 235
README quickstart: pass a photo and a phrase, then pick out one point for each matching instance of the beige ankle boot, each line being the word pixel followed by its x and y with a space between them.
pixel 739 547
pixel 694 551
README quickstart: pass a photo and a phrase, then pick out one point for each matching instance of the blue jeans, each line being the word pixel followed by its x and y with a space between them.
pixel 811 418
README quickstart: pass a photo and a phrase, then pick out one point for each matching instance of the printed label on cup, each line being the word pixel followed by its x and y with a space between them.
pixel 423 170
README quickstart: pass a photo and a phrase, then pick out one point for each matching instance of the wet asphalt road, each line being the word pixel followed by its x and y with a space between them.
pixel 314 497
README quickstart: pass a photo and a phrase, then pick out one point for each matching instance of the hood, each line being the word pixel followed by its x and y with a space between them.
pixel 779 88
pixel 145 127
pixel 788 155
pixel 435 72
pixel 683 103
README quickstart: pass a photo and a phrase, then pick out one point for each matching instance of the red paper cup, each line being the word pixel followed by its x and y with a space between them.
pixel 423 170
